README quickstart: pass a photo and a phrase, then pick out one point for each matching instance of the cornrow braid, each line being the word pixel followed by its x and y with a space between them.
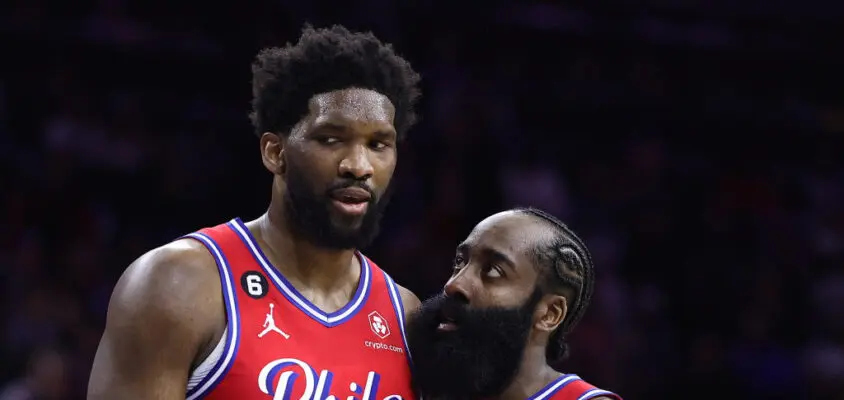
pixel 567 266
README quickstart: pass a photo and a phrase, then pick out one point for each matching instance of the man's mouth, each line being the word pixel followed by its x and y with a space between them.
pixel 447 322
pixel 351 200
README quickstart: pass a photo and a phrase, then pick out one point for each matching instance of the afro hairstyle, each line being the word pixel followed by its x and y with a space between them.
pixel 284 79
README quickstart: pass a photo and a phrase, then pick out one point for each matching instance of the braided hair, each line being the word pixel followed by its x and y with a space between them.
pixel 566 269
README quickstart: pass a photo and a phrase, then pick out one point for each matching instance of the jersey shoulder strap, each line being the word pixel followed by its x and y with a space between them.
pixel 578 389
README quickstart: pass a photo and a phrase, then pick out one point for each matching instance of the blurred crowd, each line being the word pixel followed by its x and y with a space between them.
pixel 698 151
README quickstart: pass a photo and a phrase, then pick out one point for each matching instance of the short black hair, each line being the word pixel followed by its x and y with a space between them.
pixel 566 268
pixel 285 78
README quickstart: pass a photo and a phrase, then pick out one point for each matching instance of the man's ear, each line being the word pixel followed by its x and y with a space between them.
pixel 272 152
pixel 551 313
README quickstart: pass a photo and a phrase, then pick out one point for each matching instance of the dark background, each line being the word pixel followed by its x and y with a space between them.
pixel 696 145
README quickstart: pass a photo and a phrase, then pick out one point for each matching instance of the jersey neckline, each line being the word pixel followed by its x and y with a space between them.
pixel 294 296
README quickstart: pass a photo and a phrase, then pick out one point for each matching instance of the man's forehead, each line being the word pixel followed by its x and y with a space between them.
pixel 352 105
pixel 508 231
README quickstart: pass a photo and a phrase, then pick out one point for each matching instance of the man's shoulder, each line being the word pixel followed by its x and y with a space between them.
pixel 180 259
pixel 165 309
pixel 170 280
pixel 410 301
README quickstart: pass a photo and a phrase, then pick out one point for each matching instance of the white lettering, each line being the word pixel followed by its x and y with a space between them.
pixel 382 346
pixel 288 370
pixel 286 379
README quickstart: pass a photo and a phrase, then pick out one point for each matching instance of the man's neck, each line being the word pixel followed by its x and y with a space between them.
pixel 296 258
pixel 534 374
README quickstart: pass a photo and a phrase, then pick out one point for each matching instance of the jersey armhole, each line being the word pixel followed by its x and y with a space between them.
pixel 398 307
pixel 225 358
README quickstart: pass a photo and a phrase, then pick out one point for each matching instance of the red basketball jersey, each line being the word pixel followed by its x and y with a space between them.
pixel 571 387
pixel 280 346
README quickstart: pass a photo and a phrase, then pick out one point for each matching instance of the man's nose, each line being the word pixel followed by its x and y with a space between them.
pixel 459 286
pixel 357 164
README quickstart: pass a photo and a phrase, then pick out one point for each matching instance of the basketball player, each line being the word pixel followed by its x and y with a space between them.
pixel 521 282
pixel 282 307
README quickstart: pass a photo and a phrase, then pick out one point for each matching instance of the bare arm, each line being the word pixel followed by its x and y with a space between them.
pixel 161 315
pixel 409 301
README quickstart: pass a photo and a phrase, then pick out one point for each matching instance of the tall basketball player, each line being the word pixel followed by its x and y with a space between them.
pixel 282 307
pixel 521 282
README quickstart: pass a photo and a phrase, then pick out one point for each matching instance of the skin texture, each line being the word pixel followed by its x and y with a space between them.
pixel 166 313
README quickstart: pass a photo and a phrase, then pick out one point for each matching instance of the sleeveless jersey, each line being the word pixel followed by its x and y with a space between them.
pixel 571 387
pixel 278 345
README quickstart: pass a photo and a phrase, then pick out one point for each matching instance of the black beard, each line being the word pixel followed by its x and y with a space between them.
pixel 310 216
pixel 477 360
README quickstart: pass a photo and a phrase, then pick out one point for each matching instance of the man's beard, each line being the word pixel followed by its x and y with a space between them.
pixel 310 215
pixel 479 359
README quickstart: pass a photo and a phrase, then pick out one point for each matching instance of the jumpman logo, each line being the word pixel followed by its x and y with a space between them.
pixel 269 325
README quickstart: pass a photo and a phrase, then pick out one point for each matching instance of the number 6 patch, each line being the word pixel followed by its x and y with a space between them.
pixel 254 284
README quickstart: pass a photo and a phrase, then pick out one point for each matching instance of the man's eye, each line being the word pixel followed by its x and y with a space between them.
pixel 378 145
pixel 328 140
pixel 493 271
